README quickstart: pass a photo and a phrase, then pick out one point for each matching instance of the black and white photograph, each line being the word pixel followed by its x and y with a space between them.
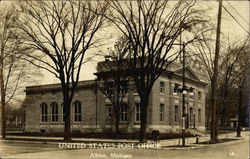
pixel 124 79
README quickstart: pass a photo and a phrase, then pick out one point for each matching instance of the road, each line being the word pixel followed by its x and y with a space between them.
pixel 229 150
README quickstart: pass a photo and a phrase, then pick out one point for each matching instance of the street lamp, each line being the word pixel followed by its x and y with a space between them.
pixel 184 90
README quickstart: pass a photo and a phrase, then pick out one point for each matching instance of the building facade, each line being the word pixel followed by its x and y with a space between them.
pixel 91 111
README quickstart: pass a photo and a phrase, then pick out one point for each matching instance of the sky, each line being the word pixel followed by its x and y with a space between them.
pixel 229 27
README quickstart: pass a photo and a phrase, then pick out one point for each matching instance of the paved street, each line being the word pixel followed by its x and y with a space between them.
pixel 238 149
pixel 8 148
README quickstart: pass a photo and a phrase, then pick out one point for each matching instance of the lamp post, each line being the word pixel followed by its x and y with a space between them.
pixel 184 90
pixel 194 118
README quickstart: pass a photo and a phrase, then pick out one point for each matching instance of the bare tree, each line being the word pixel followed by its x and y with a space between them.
pixel 234 68
pixel 151 28
pixel 5 33
pixel 241 83
pixel 60 33
pixel 14 73
pixel 229 60
pixel 113 78
pixel 228 66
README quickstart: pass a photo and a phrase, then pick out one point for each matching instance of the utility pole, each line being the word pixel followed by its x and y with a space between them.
pixel 214 133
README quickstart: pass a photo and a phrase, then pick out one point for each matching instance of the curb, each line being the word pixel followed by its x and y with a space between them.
pixel 163 146
pixel 173 147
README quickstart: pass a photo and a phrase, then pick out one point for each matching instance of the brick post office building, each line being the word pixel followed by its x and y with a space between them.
pixel 91 111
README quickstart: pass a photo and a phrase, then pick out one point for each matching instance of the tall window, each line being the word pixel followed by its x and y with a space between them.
pixel 109 110
pixel 44 112
pixel 162 87
pixel 137 112
pixel 191 95
pixel 124 87
pixel 124 112
pixel 54 110
pixel 161 112
pixel 199 95
pixel 190 116
pixel 176 86
pixel 63 113
pixel 77 111
pixel 175 113
pixel 199 115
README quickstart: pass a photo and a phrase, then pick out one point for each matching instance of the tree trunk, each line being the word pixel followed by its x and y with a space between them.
pixel 143 128
pixel 117 120
pixel 239 115
pixel 118 105
pixel 216 121
pixel 66 106
pixel 3 113
pixel 2 91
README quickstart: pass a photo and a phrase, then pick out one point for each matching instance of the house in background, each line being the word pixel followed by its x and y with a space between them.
pixel 91 111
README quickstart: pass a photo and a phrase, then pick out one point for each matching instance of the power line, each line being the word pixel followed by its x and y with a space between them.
pixel 238 12
pixel 235 19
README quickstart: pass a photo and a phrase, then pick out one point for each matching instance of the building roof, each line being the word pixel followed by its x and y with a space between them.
pixel 189 74
pixel 57 86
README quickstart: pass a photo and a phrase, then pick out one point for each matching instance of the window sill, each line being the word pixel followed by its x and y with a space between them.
pixel 77 122
pixel 123 122
pixel 135 94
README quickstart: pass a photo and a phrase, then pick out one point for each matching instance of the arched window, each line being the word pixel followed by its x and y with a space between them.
pixel 77 111
pixel 44 112
pixel 54 110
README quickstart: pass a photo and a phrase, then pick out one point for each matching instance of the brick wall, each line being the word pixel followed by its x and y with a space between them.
pixel 94 111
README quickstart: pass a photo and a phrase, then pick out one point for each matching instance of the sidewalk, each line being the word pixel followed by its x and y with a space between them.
pixel 203 140
pixel 163 144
